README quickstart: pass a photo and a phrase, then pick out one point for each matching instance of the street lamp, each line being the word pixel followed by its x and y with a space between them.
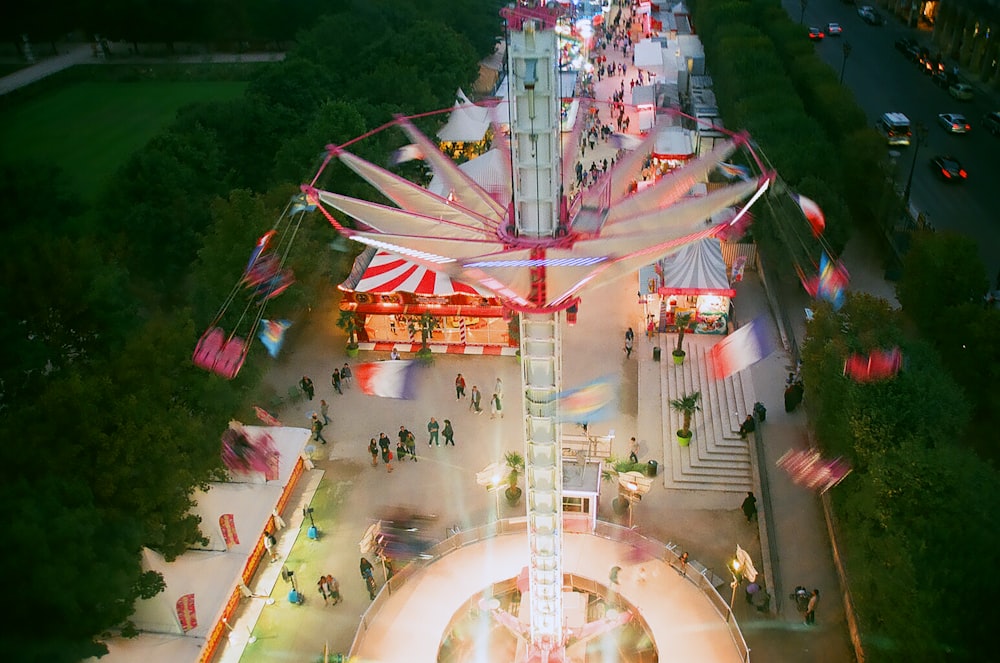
pixel 846 48
pixel 492 477
pixel 734 568
pixel 803 4
pixel 921 131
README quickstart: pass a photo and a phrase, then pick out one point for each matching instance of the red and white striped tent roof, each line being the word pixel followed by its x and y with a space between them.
pixel 378 271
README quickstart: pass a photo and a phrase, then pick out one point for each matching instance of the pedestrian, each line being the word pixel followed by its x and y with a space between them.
pixel 401 451
pixel 801 597
pixel 682 562
pixel 449 433
pixel 387 459
pixel 498 387
pixel 368 576
pixel 323 590
pixel 346 375
pixel 411 445
pixel 793 396
pixel 633 451
pixel 317 429
pixel 749 506
pixel 333 589
pixel 383 442
pixel 271 545
pixel 496 407
pixel 402 434
pixel 335 380
pixel 748 426
pixel 394 354
pixel 613 575
pixel 475 400
pixel 650 329
pixel 373 450
pixel 459 387
pixel 628 347
pixel 432 429
pixel 811 608
pixel 629 335
pixel 306 385
pixel 324 409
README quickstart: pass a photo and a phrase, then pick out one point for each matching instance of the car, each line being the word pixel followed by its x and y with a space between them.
pixel 913 52
pixel 948 168
pixel 871 16
pixel 992 122
pixel 954 123
pixel 903 44
pixel 941 79
pixel 961 91
pixel 816 34
pixel 864 10
pixel 834 29
pixel 895 127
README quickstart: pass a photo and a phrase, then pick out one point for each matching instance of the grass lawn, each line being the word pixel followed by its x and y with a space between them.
pixel 90 129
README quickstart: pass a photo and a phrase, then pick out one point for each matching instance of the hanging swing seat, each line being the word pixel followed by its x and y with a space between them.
pixel 220 355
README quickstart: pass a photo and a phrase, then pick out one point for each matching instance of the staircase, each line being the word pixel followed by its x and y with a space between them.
pixel 717 459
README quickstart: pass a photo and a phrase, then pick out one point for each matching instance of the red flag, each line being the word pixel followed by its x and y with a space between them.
pixel 227 524
pixel 186 612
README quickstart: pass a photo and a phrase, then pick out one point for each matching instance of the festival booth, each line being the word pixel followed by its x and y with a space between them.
pixel 386 292
pixel 694 281
pixel 467 133
pixel 186 622
pixel 644 100
pixel 673 148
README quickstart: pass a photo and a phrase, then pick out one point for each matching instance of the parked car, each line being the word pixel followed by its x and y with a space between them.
pixel 816 34
pixel 942 79
pixel 954 123
pixel 992 122
pixel 961 91
pixel 948 168
pixel 903 44
pixel 870 15
pixel 834 29
pixel 913 52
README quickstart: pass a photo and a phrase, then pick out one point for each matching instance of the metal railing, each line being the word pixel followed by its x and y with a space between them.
pixel 703 579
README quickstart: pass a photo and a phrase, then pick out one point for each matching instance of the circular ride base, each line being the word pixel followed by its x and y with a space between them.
pixel 430 611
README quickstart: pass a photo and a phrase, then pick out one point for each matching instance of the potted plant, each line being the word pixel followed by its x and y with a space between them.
pixel 426 326
pixel 682 321
pixel 515 463
pixel 349 324
pixel 687 405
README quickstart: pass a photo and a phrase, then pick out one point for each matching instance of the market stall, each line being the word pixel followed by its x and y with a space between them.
pixel 693 281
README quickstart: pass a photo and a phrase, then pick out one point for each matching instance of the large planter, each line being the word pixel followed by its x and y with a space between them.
pixel 682 440
pixel 352 351
pixel 678 357
pixel 513 494
pixel 619 505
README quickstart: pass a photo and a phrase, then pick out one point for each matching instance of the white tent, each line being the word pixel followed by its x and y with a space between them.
pixel 488 170
pixel 208 578
pixel 467 122
pixel 649 55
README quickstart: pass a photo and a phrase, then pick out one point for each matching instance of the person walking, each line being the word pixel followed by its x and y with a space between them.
pixel 336 381
pixel 811 608
pixel 317 429
pixel 324 409
pixel 749 506
pixel 498 387
pixel 347 376
pixel 401 451
pixel 633 451
pixel 333 589
pixel 373 450
pixel 387 459
pixel 323 588
pixel 496 407
pixel 629 340
pixel 476 398
pixel 411 445
pixel 459 387
pixel 449 433
pixel 368 576
pixel 306 385
pixel 433 428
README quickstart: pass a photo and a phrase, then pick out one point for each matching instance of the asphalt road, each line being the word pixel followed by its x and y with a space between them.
pixel 883 79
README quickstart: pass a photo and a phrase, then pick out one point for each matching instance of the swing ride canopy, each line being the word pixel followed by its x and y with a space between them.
pixel 697 269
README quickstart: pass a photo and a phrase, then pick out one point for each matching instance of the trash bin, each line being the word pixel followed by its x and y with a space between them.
pixel 656 353
pixel 651 468
pixel 760 411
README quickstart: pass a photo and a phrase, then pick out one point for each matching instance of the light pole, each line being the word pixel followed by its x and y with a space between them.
pixel 846 48
pixel 735 570
pixel 921 131
pixel 802 16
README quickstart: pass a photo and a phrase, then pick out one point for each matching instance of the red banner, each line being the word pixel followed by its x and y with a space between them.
pixel 271 473
pixel 227 523
pixel 186 612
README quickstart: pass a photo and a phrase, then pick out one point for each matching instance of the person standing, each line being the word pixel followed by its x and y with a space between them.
pixel 749 506
pixel 449 433
pixel 346 375
pixel 317 429
pixel 306 385
pixel 271 545
pixel 476 398
pixel 401 451
pixel 498 387
pixel 373 450
pixel 336 380
pixel 496 407
pixel 811 608
pixel 433 428
pixel 459 387
pixel 633 450
pixel 323 590
pixel 324 409
pixel 411 445
pixel 368 576
pixel 387 459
